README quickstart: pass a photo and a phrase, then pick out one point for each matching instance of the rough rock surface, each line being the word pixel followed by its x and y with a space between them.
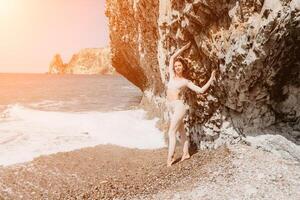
pixel 253 44
pixel 276 144
pixel 134 37
pixel 87 61
pixel 57 65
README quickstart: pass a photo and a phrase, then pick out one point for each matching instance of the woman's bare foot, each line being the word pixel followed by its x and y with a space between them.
pixel 185 157
pixel 170 161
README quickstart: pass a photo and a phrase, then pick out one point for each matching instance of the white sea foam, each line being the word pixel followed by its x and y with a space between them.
pixel 50 104
pixel 27 133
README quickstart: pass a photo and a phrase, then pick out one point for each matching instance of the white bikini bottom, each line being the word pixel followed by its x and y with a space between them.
pixel 176 104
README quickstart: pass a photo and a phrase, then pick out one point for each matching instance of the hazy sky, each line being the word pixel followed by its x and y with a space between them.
pixel 32 31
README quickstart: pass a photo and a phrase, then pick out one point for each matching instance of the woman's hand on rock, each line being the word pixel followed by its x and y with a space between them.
pixel 185 47
pixel 213 75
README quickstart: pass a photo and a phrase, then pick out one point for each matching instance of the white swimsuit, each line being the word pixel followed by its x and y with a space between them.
pixel 176 85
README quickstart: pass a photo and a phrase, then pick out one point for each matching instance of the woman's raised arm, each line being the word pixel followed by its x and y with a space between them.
pixel 202 89
pixel 172 58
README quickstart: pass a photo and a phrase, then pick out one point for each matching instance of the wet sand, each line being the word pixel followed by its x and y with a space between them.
pixel 107 172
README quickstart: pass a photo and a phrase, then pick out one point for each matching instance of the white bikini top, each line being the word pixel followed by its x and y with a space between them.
pixel 176 84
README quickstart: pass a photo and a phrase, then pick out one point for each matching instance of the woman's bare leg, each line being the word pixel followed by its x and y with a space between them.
pixel 176 120
pixel 185 141
pixel 172 139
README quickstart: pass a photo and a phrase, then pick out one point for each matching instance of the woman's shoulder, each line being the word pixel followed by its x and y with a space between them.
pixel 186 80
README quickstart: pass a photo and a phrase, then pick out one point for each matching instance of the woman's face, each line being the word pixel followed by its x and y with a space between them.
pixel 178 68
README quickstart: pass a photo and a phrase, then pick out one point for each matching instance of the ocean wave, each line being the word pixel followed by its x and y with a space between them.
pixel 26 133
pixel 52 104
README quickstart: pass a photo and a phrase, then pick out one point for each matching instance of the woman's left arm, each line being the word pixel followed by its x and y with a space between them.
pixel 202 89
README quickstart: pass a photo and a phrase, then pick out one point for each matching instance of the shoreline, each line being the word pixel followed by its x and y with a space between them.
pixel 96 128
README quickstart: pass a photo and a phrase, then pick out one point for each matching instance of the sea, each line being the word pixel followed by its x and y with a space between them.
pixel 42 114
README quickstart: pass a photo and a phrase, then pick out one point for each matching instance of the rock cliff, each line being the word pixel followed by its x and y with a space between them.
pixel 87 61
pixel 253 44
pixel 57 65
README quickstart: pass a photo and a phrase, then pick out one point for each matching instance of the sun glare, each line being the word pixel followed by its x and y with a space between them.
pixel 6 7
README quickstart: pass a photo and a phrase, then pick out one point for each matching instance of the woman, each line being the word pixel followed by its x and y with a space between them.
pixel 176 83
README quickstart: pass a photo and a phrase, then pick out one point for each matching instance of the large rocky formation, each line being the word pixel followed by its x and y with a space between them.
pixel 57 65
pixel 253 44
pixel 134 39
pixel 87 61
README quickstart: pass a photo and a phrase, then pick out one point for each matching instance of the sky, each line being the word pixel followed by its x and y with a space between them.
pixel 33 31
